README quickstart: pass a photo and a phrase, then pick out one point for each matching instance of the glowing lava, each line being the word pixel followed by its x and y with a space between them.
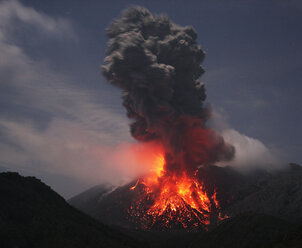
pixel 168 200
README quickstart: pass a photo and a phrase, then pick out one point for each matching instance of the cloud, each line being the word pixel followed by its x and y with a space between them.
pixel 49 125
pixel 65 147
pixel 12 11
pixel 250 152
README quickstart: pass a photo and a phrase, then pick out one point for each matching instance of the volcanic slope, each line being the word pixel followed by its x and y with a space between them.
pixel 32 215
pixel 112 207
pixel 248 230
pixel 277 194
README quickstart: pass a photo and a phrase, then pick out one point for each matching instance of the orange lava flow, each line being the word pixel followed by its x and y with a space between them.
pixel 176 199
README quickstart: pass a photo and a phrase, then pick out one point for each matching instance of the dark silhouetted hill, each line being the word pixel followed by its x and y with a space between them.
pixel 33 215
pixel 89 199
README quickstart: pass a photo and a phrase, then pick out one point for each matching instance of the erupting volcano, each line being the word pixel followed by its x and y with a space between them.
pixel 170 201
pixel 157 64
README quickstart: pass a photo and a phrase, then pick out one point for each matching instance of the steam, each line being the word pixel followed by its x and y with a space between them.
pixel 250 153
pixel 157 64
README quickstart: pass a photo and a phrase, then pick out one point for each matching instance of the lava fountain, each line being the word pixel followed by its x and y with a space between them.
pixel 168 201
pixel 157 64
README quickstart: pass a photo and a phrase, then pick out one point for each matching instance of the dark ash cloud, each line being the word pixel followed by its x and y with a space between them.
pixel 157 64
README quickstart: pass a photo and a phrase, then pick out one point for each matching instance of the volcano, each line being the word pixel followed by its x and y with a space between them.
pixel 137 206
pixel 173 201
pixel 157 64
pixel 202 204
pixel 260 192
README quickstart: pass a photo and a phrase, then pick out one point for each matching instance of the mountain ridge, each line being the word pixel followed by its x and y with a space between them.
pixel 33 215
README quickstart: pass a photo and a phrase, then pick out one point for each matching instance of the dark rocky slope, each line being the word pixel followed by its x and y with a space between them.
pixel 279 194
pixel 249 231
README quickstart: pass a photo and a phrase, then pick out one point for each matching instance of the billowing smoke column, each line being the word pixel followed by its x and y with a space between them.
pixel 157 65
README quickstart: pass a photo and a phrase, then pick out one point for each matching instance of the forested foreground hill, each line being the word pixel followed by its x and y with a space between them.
pixel 33 215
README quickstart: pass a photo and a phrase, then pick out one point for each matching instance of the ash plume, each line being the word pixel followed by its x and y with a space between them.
pixel 157 64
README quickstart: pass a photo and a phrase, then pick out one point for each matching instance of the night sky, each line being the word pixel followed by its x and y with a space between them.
pixel 59 118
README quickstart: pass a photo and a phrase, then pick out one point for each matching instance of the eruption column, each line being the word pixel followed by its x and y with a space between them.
pixel 157 64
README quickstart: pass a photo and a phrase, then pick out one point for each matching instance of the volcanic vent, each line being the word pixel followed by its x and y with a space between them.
pixel 157 64
pixel 173 201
